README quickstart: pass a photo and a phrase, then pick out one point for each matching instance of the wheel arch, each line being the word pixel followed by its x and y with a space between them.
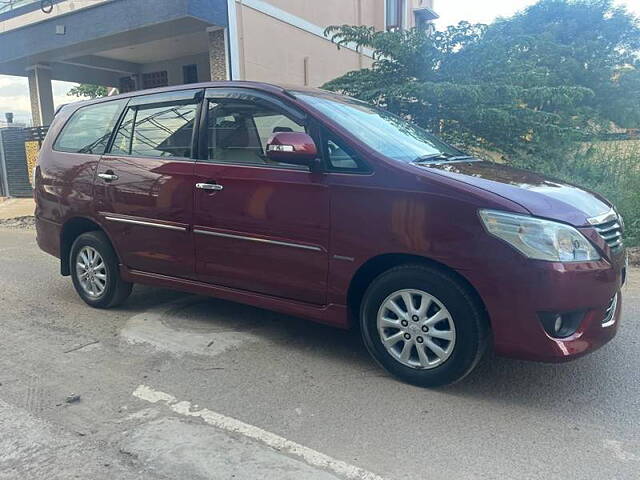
pixel 379 264
pixel 72 229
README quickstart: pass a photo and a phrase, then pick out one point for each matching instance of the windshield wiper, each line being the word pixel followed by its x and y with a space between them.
pixel 442 157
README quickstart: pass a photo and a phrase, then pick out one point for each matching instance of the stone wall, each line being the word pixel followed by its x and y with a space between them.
pixel 217 55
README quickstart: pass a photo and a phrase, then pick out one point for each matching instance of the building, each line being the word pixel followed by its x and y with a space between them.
pixel 137 44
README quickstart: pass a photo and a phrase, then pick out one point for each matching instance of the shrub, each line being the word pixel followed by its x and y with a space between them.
pixel 609 168
pixel 529 90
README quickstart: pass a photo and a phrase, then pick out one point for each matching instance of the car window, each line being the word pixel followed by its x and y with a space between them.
pixel 380 130
pixel 238 131
pixel 268 124
pixel 89 129
pixel 164 130
pixel 339 157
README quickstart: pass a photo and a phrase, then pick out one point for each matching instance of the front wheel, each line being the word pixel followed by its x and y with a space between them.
pixel 423 325
pixel 95 272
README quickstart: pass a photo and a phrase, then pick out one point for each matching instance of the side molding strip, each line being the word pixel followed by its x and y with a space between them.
pixel 146 224
pixel 260 240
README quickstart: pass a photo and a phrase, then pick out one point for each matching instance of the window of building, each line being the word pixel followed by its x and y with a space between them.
pixel 89 129
pixel 238 131
pixel 424 17
pixel 190 74
pixel 155 79
pixel 422 23
pixel 394 13
pixel 156 131
pixel 127 84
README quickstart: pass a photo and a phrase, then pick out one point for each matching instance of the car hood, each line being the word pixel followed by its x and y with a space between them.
pixel 540 195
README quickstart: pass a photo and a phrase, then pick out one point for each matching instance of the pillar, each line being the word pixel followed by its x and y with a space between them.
pixel 218 62
pixel 41 95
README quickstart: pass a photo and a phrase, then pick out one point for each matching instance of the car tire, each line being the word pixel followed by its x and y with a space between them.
pixel 438 340
pixel 95 273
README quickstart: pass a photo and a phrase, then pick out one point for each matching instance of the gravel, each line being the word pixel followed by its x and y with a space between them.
pixel 27 222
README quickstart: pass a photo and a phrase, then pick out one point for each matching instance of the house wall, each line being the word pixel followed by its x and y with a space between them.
pixel 269 57
pixel 336 12
pixel 267 31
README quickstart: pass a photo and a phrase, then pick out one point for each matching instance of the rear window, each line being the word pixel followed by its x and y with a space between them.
pixel 89 128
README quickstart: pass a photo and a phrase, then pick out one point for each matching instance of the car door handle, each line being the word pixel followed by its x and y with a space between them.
pixel 209 186
pixel 108 177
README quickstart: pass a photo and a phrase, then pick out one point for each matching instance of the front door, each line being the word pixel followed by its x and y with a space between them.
pixel 258 226
pixel 144 187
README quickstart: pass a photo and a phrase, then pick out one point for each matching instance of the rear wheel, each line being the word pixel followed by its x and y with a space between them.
pixel 423 326
pixel 95 273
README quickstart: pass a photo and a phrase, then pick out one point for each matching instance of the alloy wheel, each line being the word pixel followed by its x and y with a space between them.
pixel 416 329
pixel 91 271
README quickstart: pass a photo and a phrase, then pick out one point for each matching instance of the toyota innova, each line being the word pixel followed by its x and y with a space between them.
pixel 323 207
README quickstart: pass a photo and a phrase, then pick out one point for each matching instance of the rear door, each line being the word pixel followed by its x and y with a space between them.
pixel 258 226
pixel 144 185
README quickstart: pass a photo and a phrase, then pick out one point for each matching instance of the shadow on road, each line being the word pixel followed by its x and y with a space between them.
pixel 591 379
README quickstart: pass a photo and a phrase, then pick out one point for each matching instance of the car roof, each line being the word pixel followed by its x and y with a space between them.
pixel 262 86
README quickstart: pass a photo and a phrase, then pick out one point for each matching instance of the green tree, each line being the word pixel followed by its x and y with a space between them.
pixel 560 72
pixel 84 90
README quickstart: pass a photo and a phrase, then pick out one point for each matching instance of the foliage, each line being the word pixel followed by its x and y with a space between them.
pixel 535 88
pixel 613 170
pixel 558 73
pixel 84 90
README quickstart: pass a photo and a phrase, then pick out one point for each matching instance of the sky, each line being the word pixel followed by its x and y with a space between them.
pixel 14 93
pixel 485 11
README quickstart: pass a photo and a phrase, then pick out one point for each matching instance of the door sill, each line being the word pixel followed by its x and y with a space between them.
pixel 331 314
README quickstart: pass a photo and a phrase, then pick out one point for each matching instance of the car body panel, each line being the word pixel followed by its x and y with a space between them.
pixel 147 210
pixel 541 195
pixel 266 232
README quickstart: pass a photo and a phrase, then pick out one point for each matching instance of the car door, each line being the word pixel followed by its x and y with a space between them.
pixel 144 186
pixel 259 226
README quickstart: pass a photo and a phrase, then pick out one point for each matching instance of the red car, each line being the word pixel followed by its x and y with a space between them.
pixel 321 206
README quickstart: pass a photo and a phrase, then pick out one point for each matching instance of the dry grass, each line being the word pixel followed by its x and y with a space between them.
pixel 612 169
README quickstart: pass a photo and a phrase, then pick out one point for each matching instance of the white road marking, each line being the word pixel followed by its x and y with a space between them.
pixel 310 456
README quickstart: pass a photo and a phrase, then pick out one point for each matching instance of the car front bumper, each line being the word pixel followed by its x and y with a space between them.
pixel 515 297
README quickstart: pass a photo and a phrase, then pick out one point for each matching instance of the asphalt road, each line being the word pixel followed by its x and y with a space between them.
pixel 175 386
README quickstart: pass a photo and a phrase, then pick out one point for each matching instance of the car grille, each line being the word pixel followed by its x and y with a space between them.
pixel 610 312
pixel 611 231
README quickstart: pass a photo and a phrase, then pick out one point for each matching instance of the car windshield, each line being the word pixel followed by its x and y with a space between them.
pixel 379 129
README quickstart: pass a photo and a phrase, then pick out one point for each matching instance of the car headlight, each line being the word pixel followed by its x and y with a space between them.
pixel 539 239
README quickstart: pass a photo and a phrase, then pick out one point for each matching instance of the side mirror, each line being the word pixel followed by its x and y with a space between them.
pixel 296 148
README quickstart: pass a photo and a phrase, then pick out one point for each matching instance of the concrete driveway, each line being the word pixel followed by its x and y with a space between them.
pixel 179 386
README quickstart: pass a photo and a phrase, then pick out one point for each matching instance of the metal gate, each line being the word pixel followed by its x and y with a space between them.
pixel 14 171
